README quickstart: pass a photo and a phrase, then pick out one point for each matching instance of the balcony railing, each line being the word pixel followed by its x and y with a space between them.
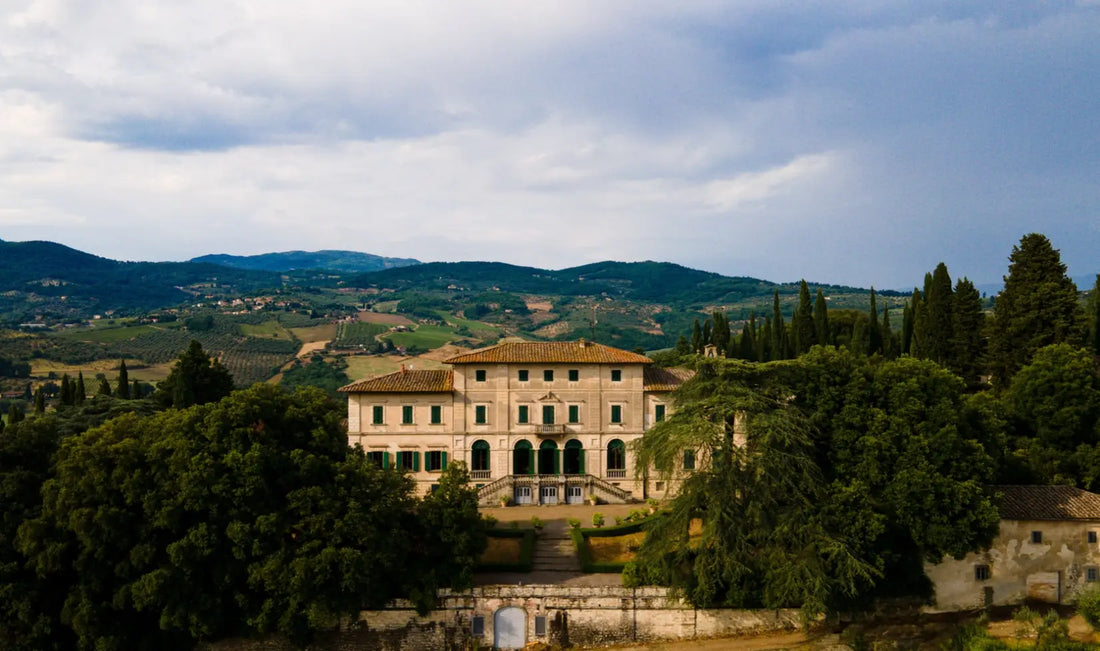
pixel 616 474
pixel 550 429
pixel 481 474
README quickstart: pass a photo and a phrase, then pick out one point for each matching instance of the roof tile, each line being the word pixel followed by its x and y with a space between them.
pixel 549 352
pixel 665 379
pixel 1047 503
pixel 405 381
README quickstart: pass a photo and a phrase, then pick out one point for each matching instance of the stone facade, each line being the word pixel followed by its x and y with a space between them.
pixel 1046 550
pixel 583 616
pixel 538 411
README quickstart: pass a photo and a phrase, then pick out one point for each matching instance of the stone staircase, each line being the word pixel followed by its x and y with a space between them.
pixel 554 551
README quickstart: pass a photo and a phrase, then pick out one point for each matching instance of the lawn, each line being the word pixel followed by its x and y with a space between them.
pixel 364 366
pixel 614 549
pixel 325 332
pixel 270 329
pixel 425 337
pixel 502 551
pixel 480 329
pixel 110 335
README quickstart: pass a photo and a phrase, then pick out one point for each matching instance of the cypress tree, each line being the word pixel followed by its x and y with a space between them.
pixel 906 327
pixel 66 397
pixel 768 339
pixel 804 335
pixel 80 392
pixel 1038 307
pixel 889 345
pixel 874 334
pixel 15 414
pixel 721 332
pixel 747 344
pixel 938 305
pixel 122 390
pixel 1094 313
pixel 917 345
pixel 104 387
pixel 696 337
pixel 779 330
pixel 135 391
pixel 39 401
pixel 706 338
pixel 821 319
pixel 969 333
pixel 683 346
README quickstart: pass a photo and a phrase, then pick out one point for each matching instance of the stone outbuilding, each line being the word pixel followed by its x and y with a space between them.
pixel 1046 551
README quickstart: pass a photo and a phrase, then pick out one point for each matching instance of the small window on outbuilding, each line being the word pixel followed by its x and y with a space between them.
pixel 658 413
pixel 981 572
pixel 616 375
pixel 477 626
pixel 540 625
pixel 1092 573
pixel 1036 537
pixel 1091 537
pixel 689 459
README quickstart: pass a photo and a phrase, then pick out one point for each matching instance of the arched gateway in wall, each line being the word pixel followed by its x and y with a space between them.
pixel 510 628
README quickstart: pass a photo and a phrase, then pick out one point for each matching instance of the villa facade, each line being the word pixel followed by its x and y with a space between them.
pixel 535 422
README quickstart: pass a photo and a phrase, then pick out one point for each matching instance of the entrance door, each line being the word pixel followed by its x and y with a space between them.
pixel 548 458
pixel 572 459
pixel 523 494
pixel 523 459
pixel 549 494
pixel 574 495
pixel 510 628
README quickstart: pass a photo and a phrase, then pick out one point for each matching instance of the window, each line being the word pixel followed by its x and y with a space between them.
pixel 433 488
pixel 379 458
pixel 479 375
pixel 1092 573
pixel 540 625
pixel 548 414
pixel 437 414
pixel 435 461
pixel 548 375
pixel 981 572
pixel 479 456
pixel 1091 537
pixel 479 414
pixel 477 626
pixel 522 416
pixel 408 461
pixel 658 413
pixel 616 455
pixel 523 375
pixel 378 415
pixel 616 375
pixel 574 413
pixel 574 375
pixel 1036 537
pixel 616 413
pixel 406 415
pixel 689 459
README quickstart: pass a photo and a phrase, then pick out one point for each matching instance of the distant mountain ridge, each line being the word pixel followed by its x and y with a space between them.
pixel 328 260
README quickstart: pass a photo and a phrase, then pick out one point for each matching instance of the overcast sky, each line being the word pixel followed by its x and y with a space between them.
pixel 847 142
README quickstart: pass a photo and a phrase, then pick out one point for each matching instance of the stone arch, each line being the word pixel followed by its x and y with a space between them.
pixel 510 628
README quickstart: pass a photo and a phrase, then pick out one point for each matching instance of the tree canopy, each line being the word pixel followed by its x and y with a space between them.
pixel 196 379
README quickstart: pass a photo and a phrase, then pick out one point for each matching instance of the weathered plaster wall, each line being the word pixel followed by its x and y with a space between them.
pixel 574 615
pixel 1053 570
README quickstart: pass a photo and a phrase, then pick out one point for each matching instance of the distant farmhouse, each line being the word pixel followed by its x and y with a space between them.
pixel 1047 550
pixel 535 422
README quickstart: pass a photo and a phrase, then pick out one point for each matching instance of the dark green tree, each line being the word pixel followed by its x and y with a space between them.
pixel 821 319
pixel 136 390
pixel 66 398
pixel 196 379
pixel 968 341
pixel 747 343
pixel 15 414
pixel 779 339
pixel 706 336
pixel 918 344
pixel 803 324
pixel 1094 316
pixel 80 392
pixel 122 389
pixel 104 388
pixel 874 333
pixel 720 334
pixel 39 401
pixel 906 328
pixel 696 337
pixel 939 331
pixel 1038 307
pixel 683 346
pixel 889 341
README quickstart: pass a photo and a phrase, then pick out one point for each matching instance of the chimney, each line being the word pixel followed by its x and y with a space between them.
pixel 583 342
pixel 403 369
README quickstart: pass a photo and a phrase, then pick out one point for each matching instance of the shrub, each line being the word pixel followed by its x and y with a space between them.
pixel 489 521
pixel 574 523
pixel 618 520
pixel 597 519
pixel 536 522
pixel 1088 606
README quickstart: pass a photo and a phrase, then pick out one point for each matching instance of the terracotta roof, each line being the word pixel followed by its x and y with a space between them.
pixel 665 379
pixel 404 381
pixel 549 352
pixel 1047 503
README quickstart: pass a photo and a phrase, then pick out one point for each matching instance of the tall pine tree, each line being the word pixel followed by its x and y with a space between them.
pixel 821 319
pixel 779 330
pixel 1094 317
pixel 906 328
pixel 918 342
pixel 889 343
pixel 874 334
pixel 80 392
pixel 66 397
pixel 969 333
pixel 122 390
pixel 803 326
pixel 1038 307
pixel 938 306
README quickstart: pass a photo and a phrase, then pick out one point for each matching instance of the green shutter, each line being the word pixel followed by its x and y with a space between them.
pixel 580 461
pixel 444 465
pixel 385 460
pixel 557 461
pixel 416 461
pixel 531 462
pixel 400 459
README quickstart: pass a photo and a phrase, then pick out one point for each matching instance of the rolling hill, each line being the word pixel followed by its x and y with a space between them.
pixel 340 261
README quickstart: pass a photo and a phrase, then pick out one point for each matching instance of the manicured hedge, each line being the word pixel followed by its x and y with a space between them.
pixel 526 551
pixel 579 536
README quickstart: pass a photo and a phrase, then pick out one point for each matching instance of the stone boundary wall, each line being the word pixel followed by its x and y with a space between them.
pixel 573 616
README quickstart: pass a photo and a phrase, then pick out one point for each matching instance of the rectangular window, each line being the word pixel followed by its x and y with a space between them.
pixel 574 413
pixel 435 461
pixel 540 625
pixel 574 375
pixel 522 416
pixel 479 414
pixel 378 415
pixel 406 415
pixel 378 458
pixel 1036 537
pixel 689 459
pixel 548 414
pixel 1091 537
pixel 437 414
pixel 548 375
pixel 616 375
pixel 1092 573
pixel 523 375
pixel 616 413
pixel 479 375
pixel 981 572
pixel 658 413
pixel 477 626
pixel 408 461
